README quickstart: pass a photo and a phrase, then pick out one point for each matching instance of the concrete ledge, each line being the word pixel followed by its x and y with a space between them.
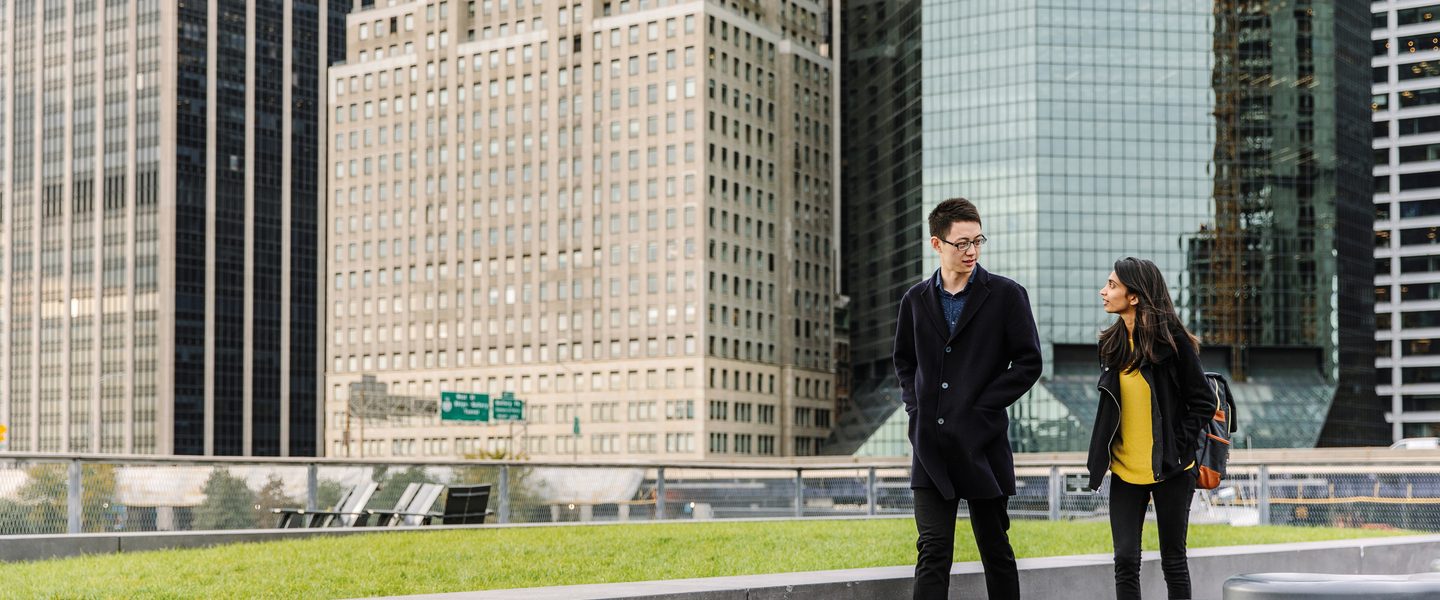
pixel 20 548
pixel 1088 576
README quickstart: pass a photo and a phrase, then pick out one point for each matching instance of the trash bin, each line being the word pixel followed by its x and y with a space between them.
pixel 1324 586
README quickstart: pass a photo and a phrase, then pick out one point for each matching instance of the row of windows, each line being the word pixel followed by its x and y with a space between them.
pixel 743 412
pixel 1409 320
pixel 415 273
pixel 745 443
pixel 508 356
pixel 1405 16
pixel 653 379
pixel 529 171
pixel 1407 99
pixel 525 83
pixel 564 105
pixel 1409 265
pixel 1417 236
pixel 564 229
pixel 441 330
pixel 1418 347
pixel 808 446
pixel 605 443
pixel 383 163
pixel 635 253
pixel 562 322
pixel 1413 375
pixel 812 417
pixel 1412 292
pixel 1408 181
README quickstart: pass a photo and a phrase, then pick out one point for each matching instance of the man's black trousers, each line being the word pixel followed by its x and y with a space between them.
pixel 935 522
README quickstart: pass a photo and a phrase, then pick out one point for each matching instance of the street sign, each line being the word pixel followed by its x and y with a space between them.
pixel 507 408
pixel 460 406
pixel 577 426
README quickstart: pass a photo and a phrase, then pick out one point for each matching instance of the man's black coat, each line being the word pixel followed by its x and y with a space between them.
pixel 957 387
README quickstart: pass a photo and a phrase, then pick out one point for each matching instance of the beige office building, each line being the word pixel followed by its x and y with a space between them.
pixel 621 211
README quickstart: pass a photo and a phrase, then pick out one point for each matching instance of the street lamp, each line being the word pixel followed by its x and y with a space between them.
pixel 349 403
pixel 574 382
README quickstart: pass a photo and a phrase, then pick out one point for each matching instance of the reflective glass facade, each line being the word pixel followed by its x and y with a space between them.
pixel 1279 274
pixel 882 239
pixel 1085 135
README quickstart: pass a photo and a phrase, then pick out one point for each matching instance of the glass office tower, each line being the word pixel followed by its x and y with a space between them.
pixel 1085 135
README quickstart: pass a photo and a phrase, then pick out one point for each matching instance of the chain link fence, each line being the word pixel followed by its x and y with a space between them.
pixel 81 493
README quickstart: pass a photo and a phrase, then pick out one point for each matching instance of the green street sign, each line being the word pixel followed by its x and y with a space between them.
pixel 460 406
pixel 507 408
pixel 577 426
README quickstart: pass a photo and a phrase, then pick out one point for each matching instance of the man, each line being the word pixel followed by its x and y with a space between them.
pixel 966 348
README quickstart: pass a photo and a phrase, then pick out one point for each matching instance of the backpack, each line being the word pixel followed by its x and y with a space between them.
pixel 1213 451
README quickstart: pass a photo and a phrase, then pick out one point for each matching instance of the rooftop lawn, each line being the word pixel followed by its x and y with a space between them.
pixel 450 561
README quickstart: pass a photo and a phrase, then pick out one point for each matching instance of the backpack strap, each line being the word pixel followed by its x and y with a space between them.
pixel 1230 402
pixel 1223 394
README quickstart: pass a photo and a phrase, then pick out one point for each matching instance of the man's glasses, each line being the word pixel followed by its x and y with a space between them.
pixel 964 245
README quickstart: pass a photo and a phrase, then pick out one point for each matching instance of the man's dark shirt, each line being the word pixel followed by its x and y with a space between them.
pixel 953 304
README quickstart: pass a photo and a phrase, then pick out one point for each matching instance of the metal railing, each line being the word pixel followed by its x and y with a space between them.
pixel 60 493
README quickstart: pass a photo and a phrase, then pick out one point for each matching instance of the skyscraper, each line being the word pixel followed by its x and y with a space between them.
pixel 1405 97
pixel 619 211
pixel 160 224
pixel 1278 277
pixel 1086 134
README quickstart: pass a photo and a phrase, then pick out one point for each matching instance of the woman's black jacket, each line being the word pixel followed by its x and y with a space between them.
pixel 1180 403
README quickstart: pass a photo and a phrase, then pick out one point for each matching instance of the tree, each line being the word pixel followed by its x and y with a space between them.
pixel 525 501
pixel 15 518
pixel 272 496
pixel 393 484
pixel 328 493
pixel 45 495
pixel 229 503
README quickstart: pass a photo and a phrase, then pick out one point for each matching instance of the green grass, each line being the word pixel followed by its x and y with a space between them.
pixel 449 561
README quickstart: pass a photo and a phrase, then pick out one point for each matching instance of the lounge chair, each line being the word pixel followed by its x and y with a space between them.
pixel 464 505
pixel 420 502
pixel 350 506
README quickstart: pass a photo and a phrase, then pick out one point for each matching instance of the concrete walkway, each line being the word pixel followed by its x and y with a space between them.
pixel 1088 576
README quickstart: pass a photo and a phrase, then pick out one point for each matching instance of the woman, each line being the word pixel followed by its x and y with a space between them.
pixel 1150 365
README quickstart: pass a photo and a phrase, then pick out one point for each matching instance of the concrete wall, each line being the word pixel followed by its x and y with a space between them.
pixel 1090 576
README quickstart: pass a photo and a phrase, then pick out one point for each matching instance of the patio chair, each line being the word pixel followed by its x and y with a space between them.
pixel 346 514
pixel 295 514
pixel 420 502
pixel 350 504
pixel 464 505
pixel 361 517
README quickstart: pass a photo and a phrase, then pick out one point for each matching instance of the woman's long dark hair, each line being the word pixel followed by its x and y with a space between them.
pixel 1155 320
